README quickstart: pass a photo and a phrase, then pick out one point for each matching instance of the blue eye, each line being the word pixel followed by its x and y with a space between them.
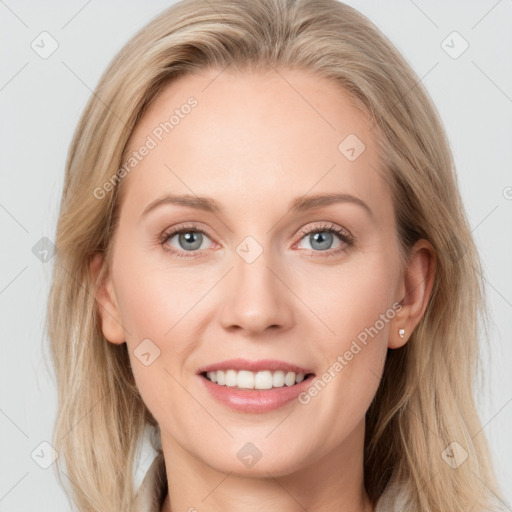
pixel 191 238
pixel 319 240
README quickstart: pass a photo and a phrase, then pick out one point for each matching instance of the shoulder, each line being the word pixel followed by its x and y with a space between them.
pixel 153 489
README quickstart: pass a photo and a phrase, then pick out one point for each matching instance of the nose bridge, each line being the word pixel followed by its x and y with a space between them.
pixel 256 297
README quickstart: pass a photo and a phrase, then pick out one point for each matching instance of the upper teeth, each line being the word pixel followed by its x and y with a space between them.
pixel 255 380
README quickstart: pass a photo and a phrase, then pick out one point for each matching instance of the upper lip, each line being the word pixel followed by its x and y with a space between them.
pixel 254 366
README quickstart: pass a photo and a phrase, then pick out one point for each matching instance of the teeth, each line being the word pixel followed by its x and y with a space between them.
pixel 244 379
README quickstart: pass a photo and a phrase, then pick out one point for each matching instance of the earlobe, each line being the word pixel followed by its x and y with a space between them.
pixel 418 280
pixel 106 304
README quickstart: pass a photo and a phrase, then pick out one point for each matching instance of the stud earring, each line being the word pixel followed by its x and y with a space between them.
pixel 401 332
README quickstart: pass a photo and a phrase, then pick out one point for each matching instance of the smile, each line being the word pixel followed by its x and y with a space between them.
pixel 244 379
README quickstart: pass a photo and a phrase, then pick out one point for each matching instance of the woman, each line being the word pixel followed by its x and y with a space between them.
pixel 263 256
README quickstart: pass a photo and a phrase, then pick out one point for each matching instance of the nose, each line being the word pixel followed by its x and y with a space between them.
pixel 256 297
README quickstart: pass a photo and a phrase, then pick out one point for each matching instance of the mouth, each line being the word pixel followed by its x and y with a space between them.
pixel 258 387
pixel 261 380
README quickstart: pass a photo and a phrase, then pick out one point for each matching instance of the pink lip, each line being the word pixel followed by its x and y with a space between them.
pixel 254 366
pixel 255 401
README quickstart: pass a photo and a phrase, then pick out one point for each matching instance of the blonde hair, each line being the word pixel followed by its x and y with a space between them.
pixel 425 400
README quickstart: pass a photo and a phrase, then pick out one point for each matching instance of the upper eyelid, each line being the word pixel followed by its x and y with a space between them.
pixel 327 226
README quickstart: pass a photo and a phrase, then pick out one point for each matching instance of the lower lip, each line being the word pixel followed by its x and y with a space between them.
pixel 255 401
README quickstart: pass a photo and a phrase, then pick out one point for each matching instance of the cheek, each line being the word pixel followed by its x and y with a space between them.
pixel 352 297
pixel 162 307
pixel 352 359
pixel 157 360
pixel 153 304
pixel 358 308
pixel 153 298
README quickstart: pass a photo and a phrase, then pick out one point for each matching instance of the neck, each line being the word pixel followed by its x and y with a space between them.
pixel 334 482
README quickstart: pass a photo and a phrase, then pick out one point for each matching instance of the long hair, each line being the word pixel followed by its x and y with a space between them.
pixel 425 401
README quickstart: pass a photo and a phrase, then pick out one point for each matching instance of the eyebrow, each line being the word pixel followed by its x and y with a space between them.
pixel 298 204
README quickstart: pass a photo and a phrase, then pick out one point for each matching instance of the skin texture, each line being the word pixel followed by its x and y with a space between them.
pixel 254 143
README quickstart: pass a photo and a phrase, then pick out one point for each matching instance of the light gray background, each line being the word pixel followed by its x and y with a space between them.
pixel 41 99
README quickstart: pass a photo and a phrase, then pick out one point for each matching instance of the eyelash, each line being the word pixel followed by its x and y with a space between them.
pixel 344 235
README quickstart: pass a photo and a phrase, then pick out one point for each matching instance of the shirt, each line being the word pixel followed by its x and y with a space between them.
pixel 153 490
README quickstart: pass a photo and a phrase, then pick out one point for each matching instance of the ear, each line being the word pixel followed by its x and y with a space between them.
pixel 414 291
pixel 107 307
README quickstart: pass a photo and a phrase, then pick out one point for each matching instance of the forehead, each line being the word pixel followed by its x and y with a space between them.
pixel 248 136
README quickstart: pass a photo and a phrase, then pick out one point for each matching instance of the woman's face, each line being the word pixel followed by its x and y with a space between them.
pixel 264 269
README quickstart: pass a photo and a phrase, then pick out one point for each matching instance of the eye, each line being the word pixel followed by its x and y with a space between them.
pixel 189 239
pixel 321 238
